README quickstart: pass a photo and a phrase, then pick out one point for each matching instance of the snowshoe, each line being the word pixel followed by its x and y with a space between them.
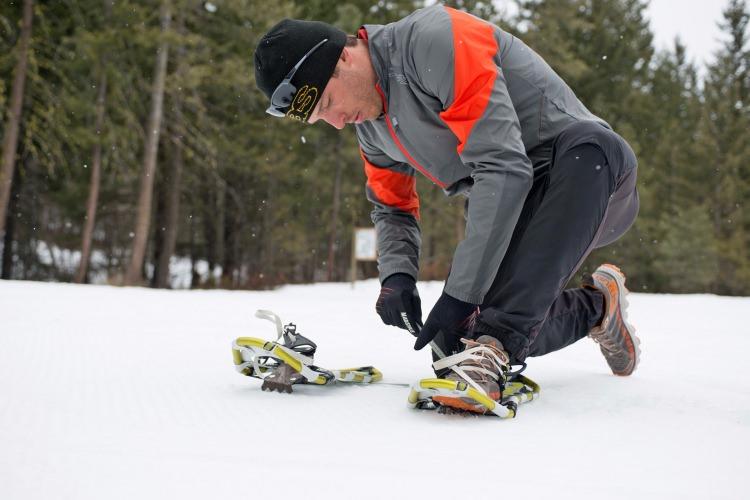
pixel 480 382
pixel 520 390
pixel 288 360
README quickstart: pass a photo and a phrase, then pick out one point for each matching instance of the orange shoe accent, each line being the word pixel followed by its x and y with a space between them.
pixel 612 285
pixel 628 339
pixel 461 404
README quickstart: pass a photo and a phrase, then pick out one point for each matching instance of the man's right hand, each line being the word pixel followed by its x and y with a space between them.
pixel 399 304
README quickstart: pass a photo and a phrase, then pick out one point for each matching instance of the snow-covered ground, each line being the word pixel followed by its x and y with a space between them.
pixel 125 393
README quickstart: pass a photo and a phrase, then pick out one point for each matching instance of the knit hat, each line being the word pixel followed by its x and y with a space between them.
pixel 282 48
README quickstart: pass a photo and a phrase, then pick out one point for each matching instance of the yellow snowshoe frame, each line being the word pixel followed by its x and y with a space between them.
pixel 520 390
pixel 252 357
pixel 248 354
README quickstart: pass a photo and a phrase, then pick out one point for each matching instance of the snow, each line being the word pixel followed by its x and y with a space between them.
pixel 125 393
pixel 66 262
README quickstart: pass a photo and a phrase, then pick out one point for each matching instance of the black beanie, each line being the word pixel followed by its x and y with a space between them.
pixel 283 46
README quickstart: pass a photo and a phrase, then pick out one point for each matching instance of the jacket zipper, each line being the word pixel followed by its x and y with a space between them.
pixel 400 146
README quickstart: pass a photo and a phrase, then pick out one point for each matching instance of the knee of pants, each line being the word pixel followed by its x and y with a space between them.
pixel 621 212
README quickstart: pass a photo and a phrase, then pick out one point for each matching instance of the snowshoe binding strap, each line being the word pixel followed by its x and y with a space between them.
pixel 273 318
pixel 511 375
pixel 288 333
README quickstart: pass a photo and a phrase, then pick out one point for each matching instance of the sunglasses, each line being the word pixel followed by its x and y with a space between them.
pixel 284 94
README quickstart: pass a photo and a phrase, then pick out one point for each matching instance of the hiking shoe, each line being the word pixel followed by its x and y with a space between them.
pixel 484 365
pixel 615 336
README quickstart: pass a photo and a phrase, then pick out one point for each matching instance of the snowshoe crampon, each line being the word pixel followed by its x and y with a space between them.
pixel 288 360
pixel 426 394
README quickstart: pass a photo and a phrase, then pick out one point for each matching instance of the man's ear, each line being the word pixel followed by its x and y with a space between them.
pixel 345 55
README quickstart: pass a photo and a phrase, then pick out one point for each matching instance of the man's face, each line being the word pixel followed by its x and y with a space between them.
pixel 349 97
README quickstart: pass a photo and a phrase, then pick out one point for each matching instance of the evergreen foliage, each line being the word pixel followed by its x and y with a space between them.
pixel 261 202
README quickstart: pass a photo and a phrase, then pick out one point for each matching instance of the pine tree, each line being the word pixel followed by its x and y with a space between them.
pixel 13 123
pixel 672 186
pixel 603 50
pixel 483 9
pixel 133 275
pixel 552 28
pixel 96 161
pixel 726 132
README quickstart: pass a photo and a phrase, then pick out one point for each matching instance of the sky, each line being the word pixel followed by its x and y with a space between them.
pixel 694 21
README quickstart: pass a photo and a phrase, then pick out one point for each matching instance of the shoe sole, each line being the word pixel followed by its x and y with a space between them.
pixel 458 395
pixel 615 273
pixel 455 397
pixel 461 404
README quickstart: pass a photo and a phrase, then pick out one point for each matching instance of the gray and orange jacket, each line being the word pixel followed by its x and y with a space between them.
pixel 466 104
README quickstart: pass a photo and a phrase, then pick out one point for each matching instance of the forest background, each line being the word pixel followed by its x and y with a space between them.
pixel 136 149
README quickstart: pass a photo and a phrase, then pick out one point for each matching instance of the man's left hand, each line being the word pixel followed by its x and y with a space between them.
pixel 452 316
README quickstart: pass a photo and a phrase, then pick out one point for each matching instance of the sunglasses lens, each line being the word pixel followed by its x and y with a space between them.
pixel 283 95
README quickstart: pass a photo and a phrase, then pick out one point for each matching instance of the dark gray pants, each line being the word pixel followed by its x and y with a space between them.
pixel 585 200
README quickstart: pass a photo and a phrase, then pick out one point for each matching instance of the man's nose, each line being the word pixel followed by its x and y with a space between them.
pixel 337 121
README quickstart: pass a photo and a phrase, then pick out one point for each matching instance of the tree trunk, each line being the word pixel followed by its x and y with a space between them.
pixel 194 278
pixel 10 137
pixel 6 272
pixel 219 227
pixel 160 196
pixel 210 231
pixel 333 230
pixel 174 182
pixel 172 207
pixel 268 251
pixel 231 231
pixel 135 269
pixel 213 226
pixel 94 183
pixel 96 169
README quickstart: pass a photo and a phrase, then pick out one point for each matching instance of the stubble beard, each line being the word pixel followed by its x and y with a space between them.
pixel 365 95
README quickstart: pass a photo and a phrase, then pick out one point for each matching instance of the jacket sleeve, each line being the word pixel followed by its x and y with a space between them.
pixel 459 61
pixel 391 187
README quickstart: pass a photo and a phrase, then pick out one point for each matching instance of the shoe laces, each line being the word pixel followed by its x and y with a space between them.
pixel 477 363
pixel 606 342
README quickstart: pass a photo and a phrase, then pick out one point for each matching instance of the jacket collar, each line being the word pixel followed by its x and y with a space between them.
pixel 378 39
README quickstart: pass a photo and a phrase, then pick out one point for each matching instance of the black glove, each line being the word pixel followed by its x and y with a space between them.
pixel 451 316
pixel 399 304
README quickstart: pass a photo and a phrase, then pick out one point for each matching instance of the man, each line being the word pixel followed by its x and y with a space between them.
pixel 481 115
